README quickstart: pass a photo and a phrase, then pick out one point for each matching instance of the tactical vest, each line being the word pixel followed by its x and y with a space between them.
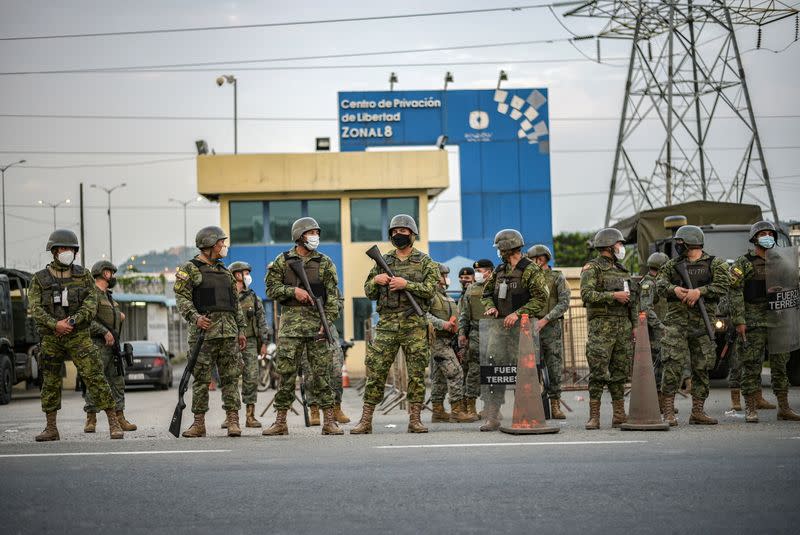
pixel 443 307
pixel 108 315
pixel 411 269
pixel 516 293
pixel 755 288
pixel 311 267
pixel 247 302
pixel 215 292
pixel 53 290
pixel 552 298
pixel 611 278
pixel 659 304
pixel 473 296
pixel 700 274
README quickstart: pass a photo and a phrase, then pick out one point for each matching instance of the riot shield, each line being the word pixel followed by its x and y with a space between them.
pixel 782 300
pixel 499 351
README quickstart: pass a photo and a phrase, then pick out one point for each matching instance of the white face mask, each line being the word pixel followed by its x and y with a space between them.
pixel 312 242
pixel 499 254
pixel 223 252
pixel 479 276
pixel 620 253
pixel 66 257
pixel 248 280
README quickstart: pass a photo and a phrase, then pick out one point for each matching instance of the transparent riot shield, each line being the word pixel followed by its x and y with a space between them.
pixel 782 299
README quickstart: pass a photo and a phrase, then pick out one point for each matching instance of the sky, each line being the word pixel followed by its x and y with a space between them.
pixel 148 121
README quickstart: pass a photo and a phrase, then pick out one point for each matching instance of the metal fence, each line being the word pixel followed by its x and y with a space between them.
pixel 576 368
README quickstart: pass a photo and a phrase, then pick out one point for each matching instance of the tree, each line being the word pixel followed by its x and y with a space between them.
pixel 572 248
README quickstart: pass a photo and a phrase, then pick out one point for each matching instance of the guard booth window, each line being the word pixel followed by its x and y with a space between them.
pixel 369 218
pixel 262 222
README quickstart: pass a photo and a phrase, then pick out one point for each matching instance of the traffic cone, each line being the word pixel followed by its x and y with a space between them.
pixel 528 416
pixel 345 376
pixel 643 413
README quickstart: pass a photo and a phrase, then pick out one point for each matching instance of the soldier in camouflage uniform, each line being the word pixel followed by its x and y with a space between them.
pixel 611 322
pixel 549 327
pixel 205 292
pixel 685 333
pixel 470 312
pixel 466 276
pixel 517 286
pixel 417 274
pixel 301 326
pixel 109 318
pixel 63 302
pixel 750 314
pixel 655 307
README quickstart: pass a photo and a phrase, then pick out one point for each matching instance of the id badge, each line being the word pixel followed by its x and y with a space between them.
pixel 503 290
pixel 64 298
pixel 56 298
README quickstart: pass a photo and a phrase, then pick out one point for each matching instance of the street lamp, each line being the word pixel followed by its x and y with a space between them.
pixel 3 171
pixel 185 204
pixel 392 81
pixel 502 77
pixel 108 192
pixel 231 79
pixel 54 206
pixel 448 79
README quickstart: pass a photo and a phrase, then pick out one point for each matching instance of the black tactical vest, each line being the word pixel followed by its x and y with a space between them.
pixel 700 274
pixel 215 292
pixel 312 272
pixel 53 291
pixel 516 293
pixel 411 270
pixel 755 288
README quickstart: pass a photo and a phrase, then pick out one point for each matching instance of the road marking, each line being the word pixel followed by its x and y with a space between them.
pixel 493 444
pixel 81 454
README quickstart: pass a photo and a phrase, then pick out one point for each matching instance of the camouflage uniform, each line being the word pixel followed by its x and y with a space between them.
pixel 220 347
pixel 446 372
pixel 550 337
pixel 257 334
pixel 470 312
pixel 108 312
pixel 655 308
pixel 334 373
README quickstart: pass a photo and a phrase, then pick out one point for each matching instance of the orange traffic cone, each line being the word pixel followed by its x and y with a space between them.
pixel 528 416
pixel 644 413
pixel 345 376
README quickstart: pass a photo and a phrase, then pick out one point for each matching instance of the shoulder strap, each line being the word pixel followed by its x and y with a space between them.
pixel 198 264
pixel 524 263
pixel 45 278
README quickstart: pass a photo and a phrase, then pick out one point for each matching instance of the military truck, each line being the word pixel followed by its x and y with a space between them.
pixel 19 337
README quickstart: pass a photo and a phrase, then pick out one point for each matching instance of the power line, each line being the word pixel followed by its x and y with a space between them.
pixel 123 207
pixel 120 164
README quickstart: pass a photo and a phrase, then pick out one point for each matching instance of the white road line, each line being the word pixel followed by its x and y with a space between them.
pixel 82 454
pixel 493 444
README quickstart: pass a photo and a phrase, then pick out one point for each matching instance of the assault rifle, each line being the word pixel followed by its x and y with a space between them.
pixel 680 267
pixel 177 416
pixel 124 353
pixel 375 254
pixel 297 267
pixel 303 399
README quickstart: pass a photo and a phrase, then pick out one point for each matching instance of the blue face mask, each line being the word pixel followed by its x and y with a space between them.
pixel 767 242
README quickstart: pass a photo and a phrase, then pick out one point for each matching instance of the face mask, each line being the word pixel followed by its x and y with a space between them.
pixel 311 243
pixel 248 280
pixel 680 248
pixel 66 258
pixel 401 241
pixel 767 242
pixel 223 252
pixel 112 282
pixel 478 276
pixel 499 254
pixel 620 254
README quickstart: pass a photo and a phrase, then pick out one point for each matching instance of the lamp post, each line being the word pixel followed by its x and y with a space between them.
pixel 108 192
pixel 392 81
pixel 185 204
pixel 3 171
pixel 54 206
pixel 231 79
pixel 448 79
pixel 502 77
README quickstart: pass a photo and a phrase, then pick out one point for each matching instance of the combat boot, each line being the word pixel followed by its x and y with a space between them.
pixel 491 411
pixel 329 426
pixel 555 410
pixel 763 403
pixel 50 431
pixel 439 414
pixel 619 417
pixel 232 418
pixel 250 418
pixel 459 414
pixel 698 415
pixel 594 414
pixel 736 401
pixel 414 423
pixel 91 422
pixel 750 403
pixel 785 412
pixel 341 417
pixel 469 404
pixel 279 427
pixel 198 427
pixel 669 410
pixel 114 429
pixel 313 415
pixel 364 426
pixel 124 423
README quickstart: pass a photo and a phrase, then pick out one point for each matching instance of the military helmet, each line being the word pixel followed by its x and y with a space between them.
pixel 690 234
pixel 508 239
pixel 99 266
pixel 540 250
pixel 656 260
pixel 239 266
pixel 208 237
pixel 761 226
pixel 607 238
pixel 62 238
pixel 404 221
pixel 303 225
pixel 443 269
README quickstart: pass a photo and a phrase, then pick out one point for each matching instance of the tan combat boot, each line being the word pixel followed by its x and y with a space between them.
pixel 124 423
pixel 198 427
pixel 232 418
pixel 50 431
pixel 669 410
pixel 660 403
pixel 114 429
pixel 469 404
pixel 736 401
pixel 491 412
pixel 458 412
pixel 279 426
pixel 364 426
pixel 555 410
pixel 785 412
pixel 414 423
pixel 750 403
pixel 763 403
pixel 619 417
pixel 341 417
pixel 594 414
pixel 698 415
pixel 250 417
pixel 91 422
pixel 439 414
pixel 313 415
pixel 329 426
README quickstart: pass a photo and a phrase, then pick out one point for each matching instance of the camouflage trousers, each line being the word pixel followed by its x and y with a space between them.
pixel 678 343
pixel 734 367
pixel 115 381
pixel 751 358
pixel 609 349
pixel 290 361
pixel 393 334
pixel 54 351
pixel 224 354
pixel 446 373
pixel 551 349
pixel 334 375
pixel 656 335
pixel 471 366
pixel 250 372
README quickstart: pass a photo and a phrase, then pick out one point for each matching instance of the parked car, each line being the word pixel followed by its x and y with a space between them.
pixel 151 365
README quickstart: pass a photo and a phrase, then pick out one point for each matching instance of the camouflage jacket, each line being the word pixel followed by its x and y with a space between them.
pixel 423 290
pixel 109 312
pixel 712 293
pixel 651 303
pixel 559 295
pixel 37 306
pixel 534 280
pixel 254 315
pixel 742 313
pixel 470 303
pixel 600 278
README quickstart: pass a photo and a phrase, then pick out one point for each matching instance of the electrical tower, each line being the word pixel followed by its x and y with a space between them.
pixel 686 89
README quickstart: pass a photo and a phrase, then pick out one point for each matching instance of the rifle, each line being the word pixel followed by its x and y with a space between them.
pixel 680 267
pixel 124 353
pixel 297 267
pixel 177 416
pixel 303 400
pixel 375 254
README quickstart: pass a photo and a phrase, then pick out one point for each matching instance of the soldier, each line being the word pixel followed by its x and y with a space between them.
pixel 205 292
pixel 301 326
pixel 417 274
pixel 63 303
pixel 655 308
pixel 549 327
pixel 611 322
pixel 257 334
pixel 517 286
pixel 446 372
pixel 685 333
pixel 470 312
pixel 466 276
pixel 109 318
pixel 750 312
